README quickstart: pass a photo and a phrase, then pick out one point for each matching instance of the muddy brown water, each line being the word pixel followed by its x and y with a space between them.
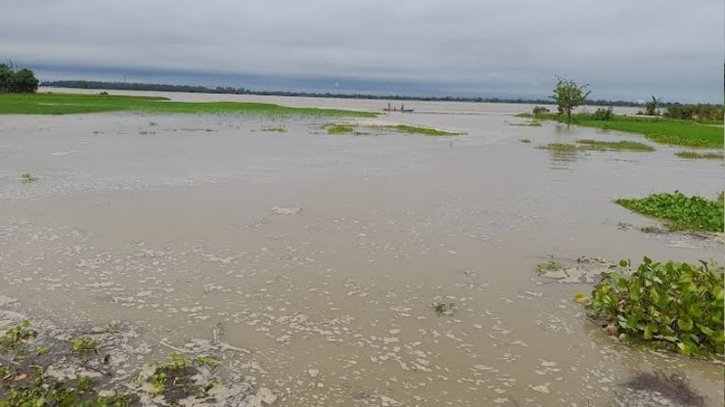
pixel 323 254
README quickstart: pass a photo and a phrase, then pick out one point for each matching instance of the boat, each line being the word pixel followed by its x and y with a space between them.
pixel 395 109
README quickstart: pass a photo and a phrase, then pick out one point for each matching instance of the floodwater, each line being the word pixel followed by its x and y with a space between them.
pixel 321 255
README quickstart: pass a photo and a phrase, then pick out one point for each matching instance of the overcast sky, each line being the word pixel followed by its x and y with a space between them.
pixel 625 49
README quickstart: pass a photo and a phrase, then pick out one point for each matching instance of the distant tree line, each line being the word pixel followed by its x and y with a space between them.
pixel 242 91
pixel 14 80
pixel 81 84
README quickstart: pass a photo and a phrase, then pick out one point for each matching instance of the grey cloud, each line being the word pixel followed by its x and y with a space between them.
pixel 623 48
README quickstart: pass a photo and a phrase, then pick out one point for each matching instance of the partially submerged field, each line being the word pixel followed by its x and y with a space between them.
pixel 332 269
pixel 688 133
pixel 61 103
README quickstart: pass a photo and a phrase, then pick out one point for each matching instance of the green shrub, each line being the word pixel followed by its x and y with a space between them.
pixel 680 211
pixel 603 114
pixel 673 306
pixel 540 110
pixel 700 111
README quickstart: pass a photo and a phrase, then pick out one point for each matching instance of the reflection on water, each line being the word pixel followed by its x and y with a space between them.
pixel 321 255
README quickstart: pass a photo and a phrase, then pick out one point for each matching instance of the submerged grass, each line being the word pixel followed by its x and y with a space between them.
pixel 340 129
pixel 661 130
pixel 561 147
pixel 527 124
pixel 692 155
pixel 60 103
pixel 615 145
pixel 679 211
pixel 404 128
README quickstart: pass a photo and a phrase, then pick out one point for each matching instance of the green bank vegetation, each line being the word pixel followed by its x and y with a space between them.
pixel 672 306
pixel 679 211
pixel 59 103
pixel 660 130
pixel 694 125
pixel 693 155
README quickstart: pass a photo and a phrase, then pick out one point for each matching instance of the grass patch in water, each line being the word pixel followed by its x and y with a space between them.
pixel 404 128
pixel 693 155
pixel 560 147
pixel 673 306
pixel 277 129
pixel 526 124
pixel 615 145
pixel 62 103
pixel 340 129
pixel 679 211
pixel 660 130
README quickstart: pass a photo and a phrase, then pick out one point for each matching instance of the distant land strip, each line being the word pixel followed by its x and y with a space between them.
pixel 81 84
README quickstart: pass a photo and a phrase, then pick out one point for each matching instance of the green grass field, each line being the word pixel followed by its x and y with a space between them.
pixel 662 130
pixel 63 103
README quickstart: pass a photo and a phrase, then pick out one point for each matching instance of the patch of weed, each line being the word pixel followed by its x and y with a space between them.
pixel 680 211
pixel 673 306
pixel 443 308
pixel 550 265
pixel 29 178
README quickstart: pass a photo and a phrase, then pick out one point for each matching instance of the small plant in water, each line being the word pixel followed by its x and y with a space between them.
pixel 206 361
pixel 550 265
pixel 443 308
pixel 83 345
pixel 16 337
pixel 29 178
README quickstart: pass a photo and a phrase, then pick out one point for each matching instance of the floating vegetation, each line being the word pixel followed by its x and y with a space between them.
pixel 525 140
pixel 549 266
pixel 673 306
pixel 692 155
pixel 443 308
pixel 29 178
pixel 679 211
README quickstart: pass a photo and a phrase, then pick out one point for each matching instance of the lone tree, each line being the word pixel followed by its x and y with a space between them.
pixel 568 95
pixel 651 107
pixel 14 80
